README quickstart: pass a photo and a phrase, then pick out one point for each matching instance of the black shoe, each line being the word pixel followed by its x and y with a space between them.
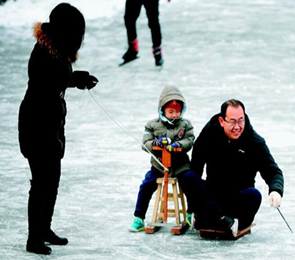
pixel 158 56
pixel 228 224
pixel 54 239
pixel 225 223
pixel 132 52
pixel 196 222
pixel 130 55
pixel 38 247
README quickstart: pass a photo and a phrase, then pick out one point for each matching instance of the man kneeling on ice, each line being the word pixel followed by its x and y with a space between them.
pixel 233 153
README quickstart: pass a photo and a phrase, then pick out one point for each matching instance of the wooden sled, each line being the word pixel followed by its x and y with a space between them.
pixel 177 229
pixel 180 229
pixel 219 234
pixel 151 229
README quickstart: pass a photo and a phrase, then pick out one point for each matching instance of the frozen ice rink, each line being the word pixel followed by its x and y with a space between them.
pixel 213 51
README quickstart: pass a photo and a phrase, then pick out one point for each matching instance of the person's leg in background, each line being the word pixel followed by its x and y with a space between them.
pixel 152 12
pixel 132 12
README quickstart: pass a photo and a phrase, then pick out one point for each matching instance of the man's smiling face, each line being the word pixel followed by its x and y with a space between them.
pixel 234 122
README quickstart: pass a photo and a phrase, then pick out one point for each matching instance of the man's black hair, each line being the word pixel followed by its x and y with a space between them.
pixel 231 102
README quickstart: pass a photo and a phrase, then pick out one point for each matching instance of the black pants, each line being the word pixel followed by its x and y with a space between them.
pixel 209 206
pixel 132 12
pixel 46 173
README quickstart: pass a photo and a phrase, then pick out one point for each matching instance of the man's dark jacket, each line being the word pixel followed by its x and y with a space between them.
pixel 232 165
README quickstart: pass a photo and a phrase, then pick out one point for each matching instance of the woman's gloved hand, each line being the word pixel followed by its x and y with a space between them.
pixel 83 80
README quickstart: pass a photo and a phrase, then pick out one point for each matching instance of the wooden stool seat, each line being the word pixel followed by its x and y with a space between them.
pixel 174 196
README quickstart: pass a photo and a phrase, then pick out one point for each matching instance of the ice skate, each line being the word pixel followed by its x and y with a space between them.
pixel 157 52
pixel 132 52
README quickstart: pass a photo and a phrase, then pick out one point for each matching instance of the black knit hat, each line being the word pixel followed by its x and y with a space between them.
pixel 66 26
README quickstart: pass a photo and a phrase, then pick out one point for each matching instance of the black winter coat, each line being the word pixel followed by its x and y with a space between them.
pixel 43 109
pixel 232 165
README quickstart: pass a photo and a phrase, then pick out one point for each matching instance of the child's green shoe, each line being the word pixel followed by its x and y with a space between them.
pixel 138 225
pixel 189 219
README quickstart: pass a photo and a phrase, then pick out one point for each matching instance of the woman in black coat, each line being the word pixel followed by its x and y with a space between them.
pixel 42 116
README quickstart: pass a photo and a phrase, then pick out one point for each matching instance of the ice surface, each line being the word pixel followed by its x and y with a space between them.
pixel 213 51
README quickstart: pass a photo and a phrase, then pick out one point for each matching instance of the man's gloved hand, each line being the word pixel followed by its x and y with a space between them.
pixel 162 141
pixel 275 199
pixel 82 80
pixel 171 147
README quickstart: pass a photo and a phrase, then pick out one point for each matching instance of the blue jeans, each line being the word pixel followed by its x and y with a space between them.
pixel 209 207
pixel 148 187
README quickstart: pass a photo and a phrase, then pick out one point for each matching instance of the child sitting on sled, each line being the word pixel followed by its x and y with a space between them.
pixel 170 129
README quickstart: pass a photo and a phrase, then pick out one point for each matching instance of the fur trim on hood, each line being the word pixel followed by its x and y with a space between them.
pixel 45 40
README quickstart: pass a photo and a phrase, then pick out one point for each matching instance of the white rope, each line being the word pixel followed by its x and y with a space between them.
pixel 120 124
pixel 81 100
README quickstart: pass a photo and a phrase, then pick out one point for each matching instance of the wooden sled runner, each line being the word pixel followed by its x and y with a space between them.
pixel 177 229
pixel 218 234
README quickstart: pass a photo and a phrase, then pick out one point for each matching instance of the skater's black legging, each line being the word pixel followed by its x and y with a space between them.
pixel 42 196
pixel 132 12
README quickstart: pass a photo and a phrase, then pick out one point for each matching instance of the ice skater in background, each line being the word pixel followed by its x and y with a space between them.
pixel 42 116
pixel 132 12
pixel 233 153
pixel 173 130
